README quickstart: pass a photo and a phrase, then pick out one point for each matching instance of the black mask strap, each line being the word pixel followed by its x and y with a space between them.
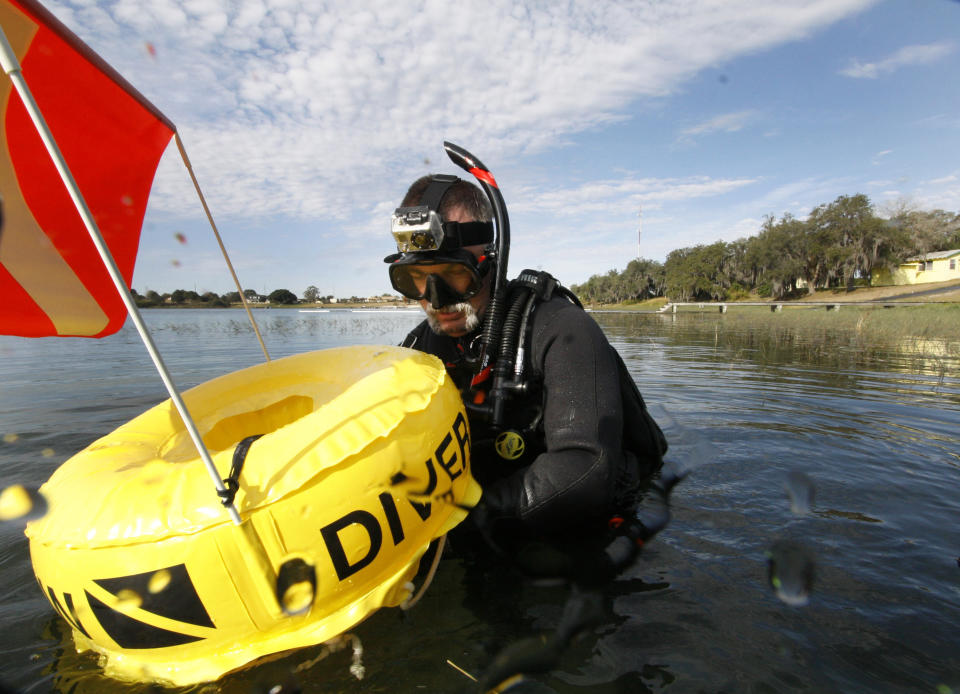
pixel 433 195
pixel 460 234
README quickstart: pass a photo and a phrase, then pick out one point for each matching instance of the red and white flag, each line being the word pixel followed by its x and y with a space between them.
pixel 52 280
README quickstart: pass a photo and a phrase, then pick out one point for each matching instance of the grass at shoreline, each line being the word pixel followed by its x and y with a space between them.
pixel 937 320
pixel 918 339
pixel 862 324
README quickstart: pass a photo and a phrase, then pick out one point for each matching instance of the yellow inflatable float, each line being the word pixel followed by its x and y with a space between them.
pixel 362 460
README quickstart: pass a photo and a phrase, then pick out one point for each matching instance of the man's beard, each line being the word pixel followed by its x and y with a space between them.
pixel 472 323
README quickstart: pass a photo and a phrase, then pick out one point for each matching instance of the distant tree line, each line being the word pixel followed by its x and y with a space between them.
pixel 185 297
pixel 840 244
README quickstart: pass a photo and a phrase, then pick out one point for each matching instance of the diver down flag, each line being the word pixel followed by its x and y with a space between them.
pixel 52 280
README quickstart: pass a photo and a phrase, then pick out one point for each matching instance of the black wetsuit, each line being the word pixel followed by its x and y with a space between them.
pixel 589 440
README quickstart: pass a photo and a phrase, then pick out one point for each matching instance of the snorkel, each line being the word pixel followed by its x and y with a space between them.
pixel 494 406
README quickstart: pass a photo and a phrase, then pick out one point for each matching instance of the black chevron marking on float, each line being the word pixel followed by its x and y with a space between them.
pixel 130 633
pixel 71 616
pixel 178 601
pixel 68 598
pixel 58 606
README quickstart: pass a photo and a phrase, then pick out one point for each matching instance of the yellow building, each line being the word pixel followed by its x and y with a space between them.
pixel 940 266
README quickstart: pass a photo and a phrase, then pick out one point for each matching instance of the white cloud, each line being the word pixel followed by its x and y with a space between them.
pixel 630 194
pixel 941 193
pixel 878 157
pixel 939 120
pixel 290 109
pixel 797 198
pixel 908 55
pixel 727 122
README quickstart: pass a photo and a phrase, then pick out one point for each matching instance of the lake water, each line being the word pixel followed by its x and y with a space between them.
pixel 876 436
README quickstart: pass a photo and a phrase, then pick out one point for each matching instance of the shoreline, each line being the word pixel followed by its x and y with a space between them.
pixel 942 293
pixel 286 307
pixel 938 292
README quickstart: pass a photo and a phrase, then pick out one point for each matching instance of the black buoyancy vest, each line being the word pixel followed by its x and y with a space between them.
pixel 642 435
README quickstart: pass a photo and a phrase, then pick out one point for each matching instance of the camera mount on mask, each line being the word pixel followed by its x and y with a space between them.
pixel 419 228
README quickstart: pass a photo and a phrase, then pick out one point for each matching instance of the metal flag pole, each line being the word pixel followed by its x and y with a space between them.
pixel 11 66
pixel 216 232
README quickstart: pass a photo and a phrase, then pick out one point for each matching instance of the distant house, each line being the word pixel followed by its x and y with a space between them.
pixel 939 266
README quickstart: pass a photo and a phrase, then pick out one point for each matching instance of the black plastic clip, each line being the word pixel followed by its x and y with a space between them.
pixel 232 483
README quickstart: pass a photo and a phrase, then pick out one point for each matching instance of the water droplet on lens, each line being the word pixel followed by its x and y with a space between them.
pixel 14 502
pixel 159 581
pixel 702 453
pixel 298 598
pixel 654 512
pixel 296 586
pixel 801 491
pixel 128 600
pixel 673 471
pixel 790 572
pixel 20 503
pixel 663 416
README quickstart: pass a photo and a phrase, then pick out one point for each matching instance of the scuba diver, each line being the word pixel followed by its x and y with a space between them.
pixel 561 440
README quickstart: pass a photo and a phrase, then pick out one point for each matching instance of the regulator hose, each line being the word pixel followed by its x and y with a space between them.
pixel 511 326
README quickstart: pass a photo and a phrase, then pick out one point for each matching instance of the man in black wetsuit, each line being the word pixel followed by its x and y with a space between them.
pixel 576 442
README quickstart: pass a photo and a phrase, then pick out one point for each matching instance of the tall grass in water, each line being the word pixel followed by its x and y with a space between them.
pixel 926 339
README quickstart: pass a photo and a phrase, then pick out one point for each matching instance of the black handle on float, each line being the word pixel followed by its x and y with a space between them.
pixel 491 326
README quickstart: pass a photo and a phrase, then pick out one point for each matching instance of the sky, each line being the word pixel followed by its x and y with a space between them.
pixel 614 128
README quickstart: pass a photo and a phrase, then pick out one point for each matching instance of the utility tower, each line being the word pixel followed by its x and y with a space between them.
pixel 639 229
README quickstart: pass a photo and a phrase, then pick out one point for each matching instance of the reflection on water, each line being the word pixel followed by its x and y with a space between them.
pixel 873 427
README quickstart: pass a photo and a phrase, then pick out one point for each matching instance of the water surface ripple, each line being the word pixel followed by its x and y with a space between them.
pixel 877 434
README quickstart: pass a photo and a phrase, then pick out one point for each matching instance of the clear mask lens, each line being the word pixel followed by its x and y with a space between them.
pixel 460 279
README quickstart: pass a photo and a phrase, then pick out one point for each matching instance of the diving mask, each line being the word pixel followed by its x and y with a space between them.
pixel 442 279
